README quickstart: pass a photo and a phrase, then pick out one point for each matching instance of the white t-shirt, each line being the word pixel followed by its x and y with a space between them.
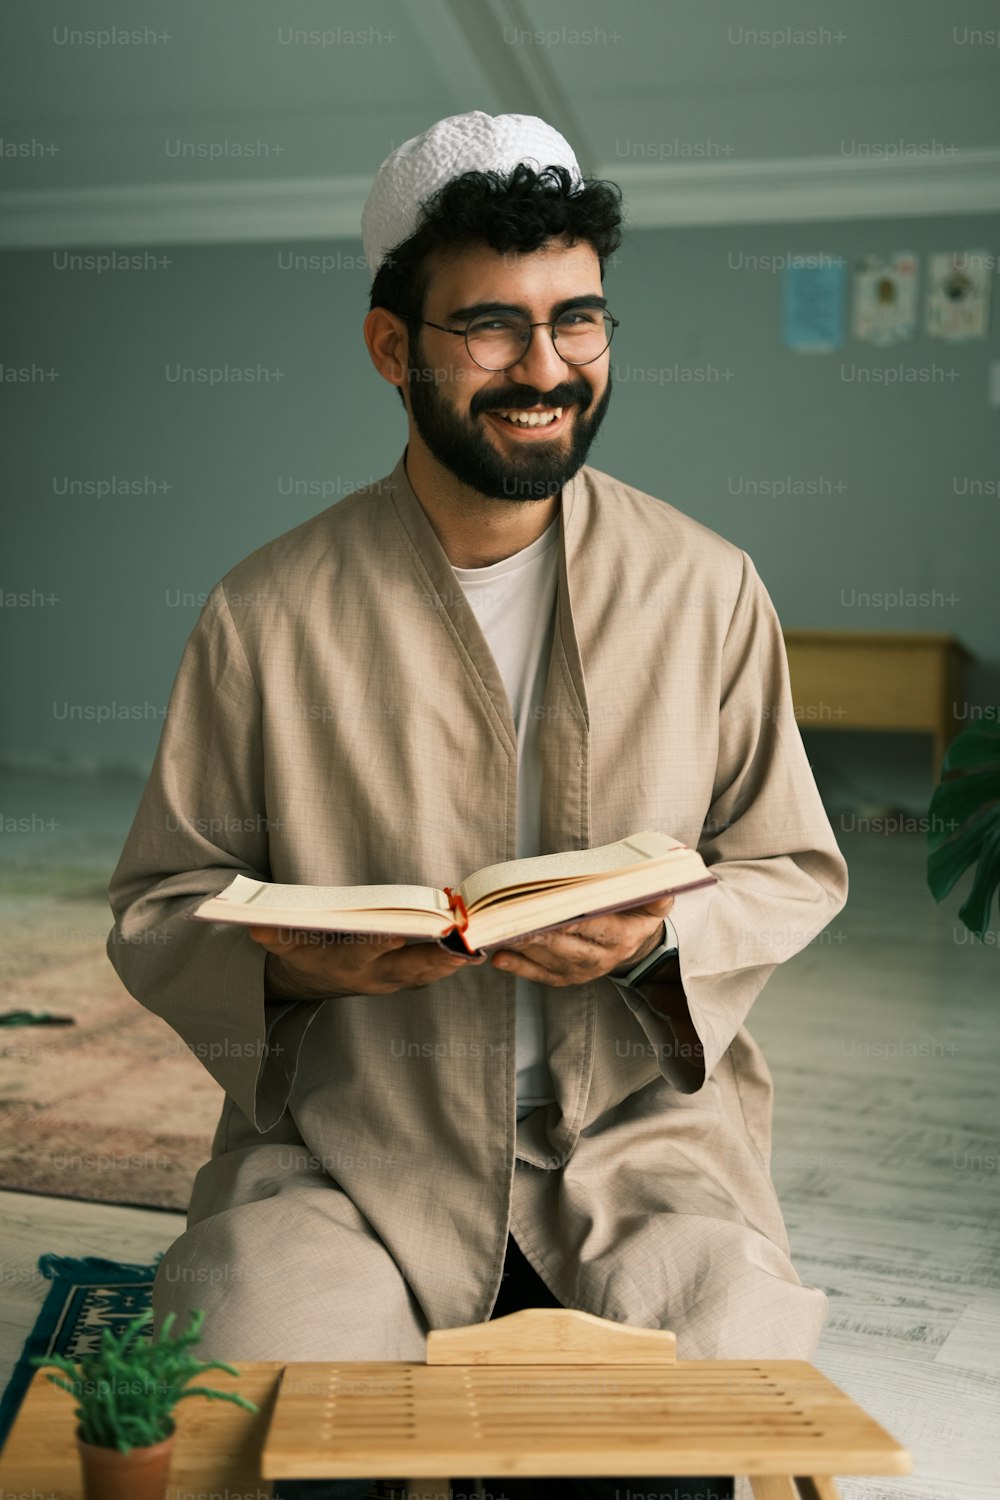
pixel 514 602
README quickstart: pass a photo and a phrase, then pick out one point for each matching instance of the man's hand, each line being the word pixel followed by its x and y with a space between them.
pixel 315 965
pixel 588 949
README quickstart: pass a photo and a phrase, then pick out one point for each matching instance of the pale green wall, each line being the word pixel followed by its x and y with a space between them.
pixel 686 303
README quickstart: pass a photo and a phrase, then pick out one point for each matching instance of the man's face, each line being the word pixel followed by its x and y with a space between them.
pixel 456 404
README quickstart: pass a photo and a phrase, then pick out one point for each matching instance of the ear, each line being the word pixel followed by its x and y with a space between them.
pixel 388 343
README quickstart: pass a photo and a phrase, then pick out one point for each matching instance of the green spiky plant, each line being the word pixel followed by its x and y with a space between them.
pixel 128 1389
pixel 965 824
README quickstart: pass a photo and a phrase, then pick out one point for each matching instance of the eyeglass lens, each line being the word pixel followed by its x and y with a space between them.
pixel 498 340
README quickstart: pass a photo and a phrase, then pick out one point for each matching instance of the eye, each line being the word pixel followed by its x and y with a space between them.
pixel 499 323
pixel 580 317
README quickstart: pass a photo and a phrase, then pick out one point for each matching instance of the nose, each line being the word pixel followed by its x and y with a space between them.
pixel 541 364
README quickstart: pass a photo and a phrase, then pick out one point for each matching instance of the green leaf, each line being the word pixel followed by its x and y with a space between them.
pixel 950 860
pixel 974 749
pixel 218 1396
pixel 975 911
pixel 956 801
pixel 216 1364
pixel 132 1331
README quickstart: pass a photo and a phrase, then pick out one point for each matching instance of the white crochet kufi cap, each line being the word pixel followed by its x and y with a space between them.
pixel 475 142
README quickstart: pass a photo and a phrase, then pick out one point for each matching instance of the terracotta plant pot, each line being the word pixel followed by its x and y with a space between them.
pixel 140 1474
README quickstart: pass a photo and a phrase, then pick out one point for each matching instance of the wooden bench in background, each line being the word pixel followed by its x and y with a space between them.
pixel 880 679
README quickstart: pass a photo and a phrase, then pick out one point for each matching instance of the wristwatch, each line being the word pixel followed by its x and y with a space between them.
pixel 646 968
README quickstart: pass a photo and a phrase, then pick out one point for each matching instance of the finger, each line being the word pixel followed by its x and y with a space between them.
pixel 516 964
pixel 570 953
pixel 523 968
pixel 587 931
pixel 558 950
pixel 277 939
pixel 297 937
pixel 555 961
pixel 418 965
pixel 620 928
pixel 658 908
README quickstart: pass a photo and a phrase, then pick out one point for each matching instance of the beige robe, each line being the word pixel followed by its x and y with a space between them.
pixel 338 718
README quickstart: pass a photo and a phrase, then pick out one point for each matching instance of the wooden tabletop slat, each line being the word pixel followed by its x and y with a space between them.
pixel 751 1417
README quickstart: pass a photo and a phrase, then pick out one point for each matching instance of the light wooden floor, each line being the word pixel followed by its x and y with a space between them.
pixel 883 1040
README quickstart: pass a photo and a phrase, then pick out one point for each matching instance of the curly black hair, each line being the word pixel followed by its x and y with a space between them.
pixel 519 210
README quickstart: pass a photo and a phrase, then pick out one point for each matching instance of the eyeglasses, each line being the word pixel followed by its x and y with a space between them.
pixel 498 340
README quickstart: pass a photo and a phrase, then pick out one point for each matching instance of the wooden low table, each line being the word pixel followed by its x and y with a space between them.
pixel 543 1392
pixel 878 679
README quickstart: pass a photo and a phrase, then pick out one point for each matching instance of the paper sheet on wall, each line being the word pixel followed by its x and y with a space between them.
pixel 958 295
pixel 813 304
pixel 885 297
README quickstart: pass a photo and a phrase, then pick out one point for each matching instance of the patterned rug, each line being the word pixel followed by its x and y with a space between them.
pixel 86 1297
pixel 101 1100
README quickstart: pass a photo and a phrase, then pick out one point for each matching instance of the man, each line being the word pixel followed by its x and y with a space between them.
pixel 497 651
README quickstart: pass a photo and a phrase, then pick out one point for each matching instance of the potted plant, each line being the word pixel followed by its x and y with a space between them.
pixel 127 1392
pixel 965 824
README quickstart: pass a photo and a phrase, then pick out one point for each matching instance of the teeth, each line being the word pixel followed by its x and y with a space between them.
pixel 532 418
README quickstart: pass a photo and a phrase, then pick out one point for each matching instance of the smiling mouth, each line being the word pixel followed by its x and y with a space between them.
pixel 531 419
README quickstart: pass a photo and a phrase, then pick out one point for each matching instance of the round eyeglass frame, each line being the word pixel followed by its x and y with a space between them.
pixel 463 333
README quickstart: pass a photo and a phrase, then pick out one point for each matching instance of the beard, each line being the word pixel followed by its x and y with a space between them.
pixel 535 471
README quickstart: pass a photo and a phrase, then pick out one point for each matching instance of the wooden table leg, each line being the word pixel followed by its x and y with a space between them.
pixel 773 1487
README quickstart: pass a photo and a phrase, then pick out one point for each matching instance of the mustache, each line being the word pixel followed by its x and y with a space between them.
pixel 522 396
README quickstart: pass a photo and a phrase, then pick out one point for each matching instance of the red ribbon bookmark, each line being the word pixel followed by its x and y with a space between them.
pixel 458 910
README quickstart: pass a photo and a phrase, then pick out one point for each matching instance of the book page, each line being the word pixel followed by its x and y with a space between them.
pixel 247 893
pixel 574 864
pixel 496 923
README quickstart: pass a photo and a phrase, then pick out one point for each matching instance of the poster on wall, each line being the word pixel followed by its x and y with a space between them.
pixel 958 295
pixel 885 297
pixel 813 304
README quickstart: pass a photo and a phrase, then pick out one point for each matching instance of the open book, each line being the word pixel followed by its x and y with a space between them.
pixel 494 906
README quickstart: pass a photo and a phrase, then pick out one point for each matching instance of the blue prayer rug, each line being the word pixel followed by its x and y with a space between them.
pixel 86 1297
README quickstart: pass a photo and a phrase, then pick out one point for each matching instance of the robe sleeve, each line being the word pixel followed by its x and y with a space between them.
pixel 201 820
pixel 780 875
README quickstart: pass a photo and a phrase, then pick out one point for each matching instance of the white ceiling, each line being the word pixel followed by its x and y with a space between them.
pixel 692 105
